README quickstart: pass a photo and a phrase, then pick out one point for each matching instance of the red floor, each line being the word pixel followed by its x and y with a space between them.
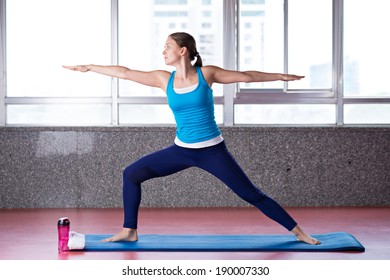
pixel 28 234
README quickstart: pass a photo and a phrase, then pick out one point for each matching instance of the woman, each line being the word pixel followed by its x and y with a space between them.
pixel 198 140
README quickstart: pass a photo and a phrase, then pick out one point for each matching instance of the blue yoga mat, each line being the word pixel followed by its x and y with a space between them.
pixel 330 242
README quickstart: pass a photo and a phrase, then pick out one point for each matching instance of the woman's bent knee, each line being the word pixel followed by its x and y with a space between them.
pixel 138 175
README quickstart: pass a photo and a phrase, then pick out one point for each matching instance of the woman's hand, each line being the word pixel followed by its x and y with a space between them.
pixel 80 68
pixel 290 77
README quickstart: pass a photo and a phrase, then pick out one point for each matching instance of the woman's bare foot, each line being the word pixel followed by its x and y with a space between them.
pixel 303 237
pixel 126 234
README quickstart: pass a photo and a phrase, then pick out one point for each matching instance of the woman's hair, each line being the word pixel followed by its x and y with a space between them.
pixel 186 40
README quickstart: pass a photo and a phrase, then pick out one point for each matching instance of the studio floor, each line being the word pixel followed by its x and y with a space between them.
pixel 31 234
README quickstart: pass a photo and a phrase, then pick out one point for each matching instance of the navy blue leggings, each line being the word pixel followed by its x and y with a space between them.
pixel 216 160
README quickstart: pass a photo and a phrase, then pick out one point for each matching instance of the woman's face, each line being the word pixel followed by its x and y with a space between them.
pixel 172 51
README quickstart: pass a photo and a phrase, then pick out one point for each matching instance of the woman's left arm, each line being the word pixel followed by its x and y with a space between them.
pixel 216 74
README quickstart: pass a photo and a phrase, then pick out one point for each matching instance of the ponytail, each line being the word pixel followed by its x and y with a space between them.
pixel 198 62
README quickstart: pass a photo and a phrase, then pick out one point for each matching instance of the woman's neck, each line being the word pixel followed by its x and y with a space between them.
pixel 185 71
pixel 185 75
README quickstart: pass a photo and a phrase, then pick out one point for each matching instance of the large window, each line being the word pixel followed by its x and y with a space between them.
pixel 141 48
pixel 43 35
pixel 366 62
pixel 340 47
pixel 286 37
pixel 261 38
pixel 307 50
pixel 310 43
pixel 366 47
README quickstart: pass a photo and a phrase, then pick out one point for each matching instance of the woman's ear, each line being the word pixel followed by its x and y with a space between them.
pixel 183 51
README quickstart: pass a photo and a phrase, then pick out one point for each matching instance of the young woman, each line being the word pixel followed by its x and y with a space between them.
pixel 198 140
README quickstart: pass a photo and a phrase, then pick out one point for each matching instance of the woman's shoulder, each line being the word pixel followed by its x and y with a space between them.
pixel 163 74
pixel 210 68
pixel 209 71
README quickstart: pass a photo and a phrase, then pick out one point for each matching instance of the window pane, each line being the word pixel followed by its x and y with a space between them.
pixel 145 114
pixel 141 48
pixel 43 35
pixel 367 114
pixel 154 114
pixel 59 114
pixel 366 51
pixel 261 38
pixel 285 114
pixel 310 43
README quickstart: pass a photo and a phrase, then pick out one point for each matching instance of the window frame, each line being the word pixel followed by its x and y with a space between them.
pixel 3 63
pixel 299 96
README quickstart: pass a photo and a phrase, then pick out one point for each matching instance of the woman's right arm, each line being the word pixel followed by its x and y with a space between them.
pixel 158 78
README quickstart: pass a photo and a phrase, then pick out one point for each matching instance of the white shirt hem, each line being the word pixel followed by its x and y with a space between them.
pixel 199 145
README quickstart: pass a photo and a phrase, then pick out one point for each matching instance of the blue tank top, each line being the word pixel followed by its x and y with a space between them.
pixel 193 111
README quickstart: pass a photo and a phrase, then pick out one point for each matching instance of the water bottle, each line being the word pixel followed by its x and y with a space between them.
pixel 63 226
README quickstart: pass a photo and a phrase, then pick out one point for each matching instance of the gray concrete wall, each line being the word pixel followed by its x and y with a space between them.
pixel 60 167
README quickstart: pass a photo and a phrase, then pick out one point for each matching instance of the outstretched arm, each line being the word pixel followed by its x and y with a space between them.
pixel 157 78
pixel 222 76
